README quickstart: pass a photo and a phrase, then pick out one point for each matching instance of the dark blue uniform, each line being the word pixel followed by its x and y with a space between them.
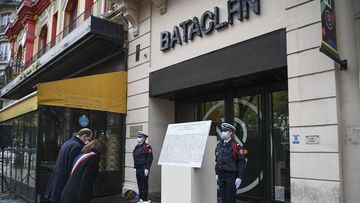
pixel 143 158
pixel 230 164
pixel 63 166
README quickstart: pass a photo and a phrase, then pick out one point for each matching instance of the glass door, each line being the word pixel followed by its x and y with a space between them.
pixel 261 119
pixel 247 111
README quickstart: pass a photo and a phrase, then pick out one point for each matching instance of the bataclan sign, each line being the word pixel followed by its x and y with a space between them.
pixel 208 22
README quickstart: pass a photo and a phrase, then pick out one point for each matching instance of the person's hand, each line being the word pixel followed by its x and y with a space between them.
pixel 237 183
pixel 146 172
pixel 134 170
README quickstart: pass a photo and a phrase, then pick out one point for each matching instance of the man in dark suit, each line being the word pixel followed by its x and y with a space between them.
pixel 64 162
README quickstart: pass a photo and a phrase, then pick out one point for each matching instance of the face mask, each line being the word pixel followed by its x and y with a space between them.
pixel 87 142
pixel 139 140
pixel 224 135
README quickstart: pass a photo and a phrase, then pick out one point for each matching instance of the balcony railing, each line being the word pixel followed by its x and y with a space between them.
pixel 94 10
pixel 11 71
pixel 10 2
pixel 3 28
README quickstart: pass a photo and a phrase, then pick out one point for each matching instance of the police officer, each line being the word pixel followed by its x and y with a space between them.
pixel 143 158
pixel 230 164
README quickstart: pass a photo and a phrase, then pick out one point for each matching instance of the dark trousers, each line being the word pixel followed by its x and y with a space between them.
pixel 227 187
pixel 143 183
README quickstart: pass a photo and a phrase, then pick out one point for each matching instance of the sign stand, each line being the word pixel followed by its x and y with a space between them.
pixel 187 162
pixel 181 184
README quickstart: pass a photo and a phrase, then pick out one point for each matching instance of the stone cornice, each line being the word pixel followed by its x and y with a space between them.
pixel 161 5
pixel 130 11
pixel 40 6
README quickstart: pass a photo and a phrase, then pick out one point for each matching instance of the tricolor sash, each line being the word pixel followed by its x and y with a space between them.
pixel 80 160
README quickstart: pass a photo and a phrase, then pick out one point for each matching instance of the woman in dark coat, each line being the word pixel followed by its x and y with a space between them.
pixel 78 189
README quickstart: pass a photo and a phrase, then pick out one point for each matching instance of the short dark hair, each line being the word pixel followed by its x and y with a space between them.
pixel 85 131
pixel 96 146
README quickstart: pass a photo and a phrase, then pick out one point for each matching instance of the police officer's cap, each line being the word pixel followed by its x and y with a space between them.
pixel 141 134
pixel 227 126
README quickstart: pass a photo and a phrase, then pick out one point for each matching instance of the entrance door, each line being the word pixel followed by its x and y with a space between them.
pixel 248 121
pixel 261 121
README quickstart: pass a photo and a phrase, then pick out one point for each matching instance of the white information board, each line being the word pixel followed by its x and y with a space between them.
pixel 184 144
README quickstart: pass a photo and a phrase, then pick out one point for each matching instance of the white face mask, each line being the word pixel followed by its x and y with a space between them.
pixel 224 135
pixel 139 140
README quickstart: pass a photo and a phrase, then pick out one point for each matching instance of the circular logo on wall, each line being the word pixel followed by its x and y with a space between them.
pixel 84 121
pixel 329 20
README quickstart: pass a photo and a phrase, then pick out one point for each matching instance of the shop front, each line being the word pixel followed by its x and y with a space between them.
pixel 244 84
pixel 37 126
pixel 260 116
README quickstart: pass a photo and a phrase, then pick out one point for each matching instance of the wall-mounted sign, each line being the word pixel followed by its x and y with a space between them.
pixel 296 139
pixel 134 129
pixel 279 193
pixel 328 29
pixel 83 121
pixel 207 23
pixel 312 139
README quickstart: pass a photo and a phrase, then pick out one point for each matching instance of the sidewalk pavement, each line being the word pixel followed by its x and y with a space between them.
pixel 115 199
pixel 7 198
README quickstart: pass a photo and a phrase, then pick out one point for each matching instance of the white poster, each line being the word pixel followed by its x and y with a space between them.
pixel 279 193
pixel 184 144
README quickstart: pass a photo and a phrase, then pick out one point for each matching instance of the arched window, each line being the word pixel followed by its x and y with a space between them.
pixel 70 16
pixel 42 40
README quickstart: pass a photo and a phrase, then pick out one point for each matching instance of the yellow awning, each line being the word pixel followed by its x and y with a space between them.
pixel 21 107
pixel 103 92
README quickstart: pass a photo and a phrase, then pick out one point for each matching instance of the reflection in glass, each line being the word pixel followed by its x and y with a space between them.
pixel 60 123
pixel 280 137
pixel 20 157
pixel 214 111
pixel 247 120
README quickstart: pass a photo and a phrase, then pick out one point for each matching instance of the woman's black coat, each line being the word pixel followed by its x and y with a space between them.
pixel 78 189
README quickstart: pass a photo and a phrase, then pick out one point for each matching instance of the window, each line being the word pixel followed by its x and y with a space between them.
pixel 109 6
pixel 70 16
pixel 4 21
pixel 19 166
pixel 54 29
pixel 4 51
pixel 42 41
